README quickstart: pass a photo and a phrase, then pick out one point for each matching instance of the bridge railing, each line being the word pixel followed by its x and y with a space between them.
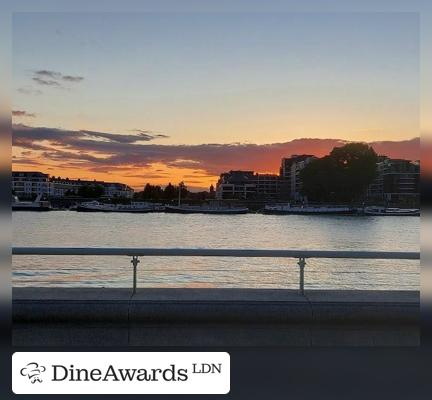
pixel 136 253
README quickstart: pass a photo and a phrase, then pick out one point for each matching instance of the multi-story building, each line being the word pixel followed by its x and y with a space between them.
pixel 117 190
pixel 68 186
pixel 27 184
pixel 247 185
pixel 63 187
pixel 267 186
pixel 397 181
pixel 236 185
pixel 290 182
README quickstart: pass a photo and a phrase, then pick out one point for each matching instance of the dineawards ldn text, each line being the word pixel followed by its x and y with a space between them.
pixel 110 373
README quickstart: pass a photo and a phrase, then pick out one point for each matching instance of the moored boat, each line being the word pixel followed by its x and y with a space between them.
pixel 288 209
pixel 389 211
pixel 133 207
pixel 37 205
pixel 206 209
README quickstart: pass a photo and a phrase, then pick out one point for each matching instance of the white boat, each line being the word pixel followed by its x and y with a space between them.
pixel 287 209
pixel 37 205
pixel 388 211
pixel 206 209
pixel 133 207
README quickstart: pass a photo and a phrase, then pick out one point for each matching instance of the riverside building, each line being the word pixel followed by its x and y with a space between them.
pixel 290 182
pixel 66 186
pixel 28 184
pixel 247 185
pixel 397 182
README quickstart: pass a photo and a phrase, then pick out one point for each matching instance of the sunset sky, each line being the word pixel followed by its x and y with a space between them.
pixel 147 97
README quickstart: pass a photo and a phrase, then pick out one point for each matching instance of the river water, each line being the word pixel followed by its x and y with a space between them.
pixel 250 231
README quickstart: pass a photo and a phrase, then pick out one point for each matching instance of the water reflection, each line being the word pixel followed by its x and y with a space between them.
pixel 65 228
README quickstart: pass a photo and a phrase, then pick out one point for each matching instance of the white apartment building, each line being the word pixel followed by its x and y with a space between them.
pixel 66 186
pixel 117 190
pixel 29 184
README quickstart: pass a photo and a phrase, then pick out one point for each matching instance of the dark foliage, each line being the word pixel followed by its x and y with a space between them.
pixel 342 176
pixel 91 191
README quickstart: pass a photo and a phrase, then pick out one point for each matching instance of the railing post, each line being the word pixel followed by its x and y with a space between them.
pixel 135 263
pixel 302 264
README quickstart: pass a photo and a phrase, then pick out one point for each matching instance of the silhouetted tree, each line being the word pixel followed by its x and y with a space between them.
pixel 147 192
pixel 150 192
pixel 212 193
pixel 183 188
pixel 91 191
pixel 343 175
pixel 169 192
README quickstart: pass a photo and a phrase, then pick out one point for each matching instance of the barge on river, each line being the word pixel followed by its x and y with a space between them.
pixel 134 207
pixel 206 209
pixel 288 209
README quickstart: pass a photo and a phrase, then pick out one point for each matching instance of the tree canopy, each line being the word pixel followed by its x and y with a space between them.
pixel 342 176
pixel 170 193
pixel 91 191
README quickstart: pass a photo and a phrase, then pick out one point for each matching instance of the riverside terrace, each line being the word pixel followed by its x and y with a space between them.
pixel 220 317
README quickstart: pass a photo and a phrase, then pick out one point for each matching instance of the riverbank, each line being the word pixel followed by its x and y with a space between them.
pixel 214 317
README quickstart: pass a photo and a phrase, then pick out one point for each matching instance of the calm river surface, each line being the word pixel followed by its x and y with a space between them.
pixel 250 231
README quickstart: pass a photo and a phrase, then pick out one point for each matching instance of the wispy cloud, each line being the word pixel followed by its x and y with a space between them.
pixel 22 113
pixel 153 135
pixel 25 161
pixel 46 77
pixel 123 138
pixel 71 78
pixel 48 74
pixel 29 90
pixel 45 82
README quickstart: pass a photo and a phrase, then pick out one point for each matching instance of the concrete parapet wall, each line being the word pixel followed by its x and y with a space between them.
pixel 195 316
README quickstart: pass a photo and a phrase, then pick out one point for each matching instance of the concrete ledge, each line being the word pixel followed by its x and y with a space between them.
pixel 212 305
pixel 220 317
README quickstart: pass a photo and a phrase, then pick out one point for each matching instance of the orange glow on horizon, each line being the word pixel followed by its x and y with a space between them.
pixel 156 174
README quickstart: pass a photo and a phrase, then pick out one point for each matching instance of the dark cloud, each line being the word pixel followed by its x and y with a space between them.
pixel 46 77
pixel 153 135
pixel 140 136
pixel 26 143
pixel 82 139
pixel 45 82
pixel 107 151
pixel 48 74
pixel 22 113
pixel 70 78
pixel 60 155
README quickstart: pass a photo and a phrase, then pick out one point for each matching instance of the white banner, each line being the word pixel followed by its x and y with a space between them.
pixel 120 373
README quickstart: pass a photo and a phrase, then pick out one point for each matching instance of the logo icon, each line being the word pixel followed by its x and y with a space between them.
pixel 33 371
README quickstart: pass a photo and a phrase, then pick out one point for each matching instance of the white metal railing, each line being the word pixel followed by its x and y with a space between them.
pixel 135 253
